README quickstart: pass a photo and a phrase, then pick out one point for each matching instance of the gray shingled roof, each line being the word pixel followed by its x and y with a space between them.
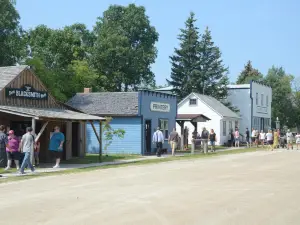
pixel 48 113
pixel 7 74
pixel 217 106
pixel 106 103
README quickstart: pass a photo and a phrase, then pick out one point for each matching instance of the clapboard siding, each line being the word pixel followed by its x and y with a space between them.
pixel 130 144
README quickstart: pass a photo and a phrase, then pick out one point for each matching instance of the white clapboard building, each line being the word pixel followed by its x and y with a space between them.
pixel 254 102
pixel 222 119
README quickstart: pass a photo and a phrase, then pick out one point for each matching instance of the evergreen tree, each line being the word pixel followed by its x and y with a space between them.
pixel 212 79
pixel 248 74
pixel 185 61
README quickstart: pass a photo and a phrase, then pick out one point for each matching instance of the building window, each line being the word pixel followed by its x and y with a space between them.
pixel 193 101
pixel 262 100
pixel 267 100
pixel 256 123
pixel 164 127
pixel 224 128
pixel 236 124
pixel 256 98
pixel 230 125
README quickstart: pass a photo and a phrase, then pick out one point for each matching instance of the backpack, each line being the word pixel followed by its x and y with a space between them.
pixel 204 134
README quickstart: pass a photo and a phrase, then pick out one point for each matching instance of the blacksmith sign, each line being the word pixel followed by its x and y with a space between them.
pixel 26 91
pixel 160 107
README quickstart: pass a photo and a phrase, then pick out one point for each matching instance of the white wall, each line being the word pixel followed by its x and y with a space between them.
pixel 200 108
pixel 262 109
pixel 240 98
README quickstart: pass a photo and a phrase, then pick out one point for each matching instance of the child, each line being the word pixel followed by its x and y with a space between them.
pixel 298 140
pixel 36 153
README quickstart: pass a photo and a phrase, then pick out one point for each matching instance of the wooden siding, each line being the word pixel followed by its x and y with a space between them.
pixel 27 77
pixel 130 144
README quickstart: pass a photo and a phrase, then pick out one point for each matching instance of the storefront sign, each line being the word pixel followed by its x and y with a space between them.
pixel 160 107
pixel 26 91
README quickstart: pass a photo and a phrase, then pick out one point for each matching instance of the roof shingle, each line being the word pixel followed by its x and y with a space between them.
pixel 7 74
pixel 106 103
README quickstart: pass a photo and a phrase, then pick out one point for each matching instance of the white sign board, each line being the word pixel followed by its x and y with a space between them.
pixel 160 107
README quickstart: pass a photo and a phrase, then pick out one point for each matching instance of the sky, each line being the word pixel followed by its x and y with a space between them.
pixel 263 31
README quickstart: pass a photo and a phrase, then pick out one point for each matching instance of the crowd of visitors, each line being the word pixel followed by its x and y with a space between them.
pixel 19 149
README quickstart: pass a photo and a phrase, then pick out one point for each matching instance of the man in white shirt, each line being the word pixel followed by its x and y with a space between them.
pixel 158 139
pixel 262 137
pixel 289 139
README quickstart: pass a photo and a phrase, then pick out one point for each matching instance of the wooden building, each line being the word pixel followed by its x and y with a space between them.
pixel 25 101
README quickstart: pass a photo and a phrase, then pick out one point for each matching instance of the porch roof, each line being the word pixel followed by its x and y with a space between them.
pixel 192 117
pixel 48 113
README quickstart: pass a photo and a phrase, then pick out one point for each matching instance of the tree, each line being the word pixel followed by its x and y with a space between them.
pixel 248 74
pixel 281 96
pixel 185 61
pixel 125 47
pixel 212 79
pixel 296 102
pixel 12 47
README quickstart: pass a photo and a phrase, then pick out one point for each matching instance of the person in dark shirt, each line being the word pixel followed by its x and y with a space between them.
pixel 173 140
pixel 247 138
pixel 3 145
pixel 212 139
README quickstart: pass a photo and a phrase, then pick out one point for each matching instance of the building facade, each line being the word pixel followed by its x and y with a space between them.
pixel 254 101
pixel 137 113
pixel 222 119
pixel 26 102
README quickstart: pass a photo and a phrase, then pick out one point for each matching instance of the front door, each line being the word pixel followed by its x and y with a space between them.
pixel 75 139
pixel 148 137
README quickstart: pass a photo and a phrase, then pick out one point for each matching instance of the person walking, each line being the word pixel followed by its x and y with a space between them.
pixel 253 136
pixel 173 140
pixel 204 140
pixel 3 145
pixel 262 137
pixel 297 140
pixel 247 138
pixel 276 139
pixel 257 138
pixel 270 139
pixel 12 150
pixel 56 145
pixel 289 139
pixel 212 139
pixel 237 138
pixel 26 146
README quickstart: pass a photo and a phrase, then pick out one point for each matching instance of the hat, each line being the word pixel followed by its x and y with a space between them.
pixel 11 132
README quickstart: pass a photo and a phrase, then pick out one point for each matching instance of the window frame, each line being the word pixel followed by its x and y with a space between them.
pixel 267 100
pixel 162 128
pixel 224 127
pixel 262 100
pixel 194 99
pixel 256 98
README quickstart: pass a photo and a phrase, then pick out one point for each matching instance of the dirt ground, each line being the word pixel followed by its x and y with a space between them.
pixel 260 188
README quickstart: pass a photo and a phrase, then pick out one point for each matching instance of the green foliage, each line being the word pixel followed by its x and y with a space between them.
pixel 125 47
pixel 281 95
pixel 248 74
pixel 197 65
pixel 185 61
pixel 110 133
pixel 12 46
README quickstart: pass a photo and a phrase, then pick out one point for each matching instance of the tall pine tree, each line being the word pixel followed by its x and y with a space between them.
pixel 248 74
pixel 185 61
pixel 212 79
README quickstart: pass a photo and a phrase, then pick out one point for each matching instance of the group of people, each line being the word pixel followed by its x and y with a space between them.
pixel 173 140
pixel 16 148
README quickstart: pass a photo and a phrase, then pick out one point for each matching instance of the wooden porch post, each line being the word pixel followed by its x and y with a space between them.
pixel 69 140
pixel 98 138
pixel 33 122
pixel 100 149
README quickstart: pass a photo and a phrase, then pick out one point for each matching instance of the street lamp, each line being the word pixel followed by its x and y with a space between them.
pixel 277 123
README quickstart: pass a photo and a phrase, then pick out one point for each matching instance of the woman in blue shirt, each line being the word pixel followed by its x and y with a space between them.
pixel 56 145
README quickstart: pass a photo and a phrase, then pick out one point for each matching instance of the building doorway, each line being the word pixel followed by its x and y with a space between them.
pixel 148 137
pixel 75 139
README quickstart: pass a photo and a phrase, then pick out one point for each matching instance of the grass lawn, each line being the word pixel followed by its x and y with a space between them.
pixel 144 162
pixel 94 158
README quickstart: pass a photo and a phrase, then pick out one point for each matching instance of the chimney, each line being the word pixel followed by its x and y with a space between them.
pixel 87 90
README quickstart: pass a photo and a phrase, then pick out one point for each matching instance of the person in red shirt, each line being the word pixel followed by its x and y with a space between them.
pixel 12 150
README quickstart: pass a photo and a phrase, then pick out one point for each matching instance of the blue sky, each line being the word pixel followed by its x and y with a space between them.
pixel 263 31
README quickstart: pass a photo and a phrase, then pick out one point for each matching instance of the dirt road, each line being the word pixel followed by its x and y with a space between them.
pixel 258 188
